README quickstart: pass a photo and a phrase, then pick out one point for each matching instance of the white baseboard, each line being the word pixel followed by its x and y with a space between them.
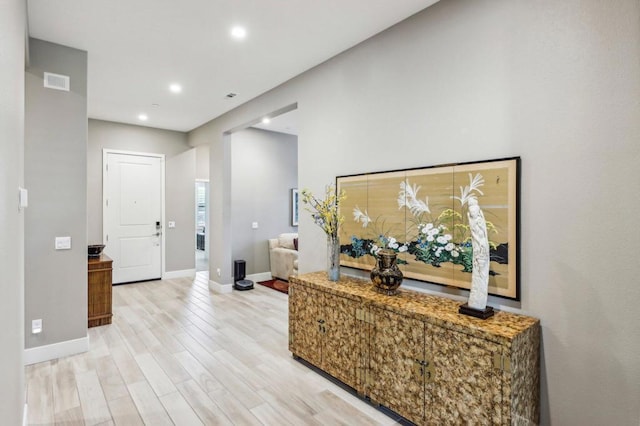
pixel 56 350
pixel 185 273
pixel 220 288
pixel 260 276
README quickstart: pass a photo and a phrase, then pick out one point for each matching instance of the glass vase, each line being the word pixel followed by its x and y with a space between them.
pixel 333 258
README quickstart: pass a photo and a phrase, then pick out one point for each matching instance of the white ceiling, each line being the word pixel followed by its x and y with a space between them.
pixel 137 48
pixel 283 123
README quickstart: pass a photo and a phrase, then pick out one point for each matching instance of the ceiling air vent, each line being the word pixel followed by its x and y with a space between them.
pixel 56 81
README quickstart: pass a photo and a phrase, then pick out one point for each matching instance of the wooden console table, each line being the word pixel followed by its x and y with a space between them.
pixel 99 292
pixel 414 354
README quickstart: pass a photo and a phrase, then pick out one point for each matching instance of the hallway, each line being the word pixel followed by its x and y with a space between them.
pixel 177 353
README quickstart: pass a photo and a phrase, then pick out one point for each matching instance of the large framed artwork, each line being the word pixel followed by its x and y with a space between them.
pixel 422 215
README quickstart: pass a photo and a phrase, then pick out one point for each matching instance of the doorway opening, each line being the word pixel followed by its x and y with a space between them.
pixel 202 225
pixel 261 200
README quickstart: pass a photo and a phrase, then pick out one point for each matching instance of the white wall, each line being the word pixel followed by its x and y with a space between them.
pixel 556 83
pixel 180 175
pixel 55 165
pixel 12 62
pixel 264 170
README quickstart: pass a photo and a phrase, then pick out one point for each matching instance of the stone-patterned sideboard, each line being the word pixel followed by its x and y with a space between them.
pixel 414 354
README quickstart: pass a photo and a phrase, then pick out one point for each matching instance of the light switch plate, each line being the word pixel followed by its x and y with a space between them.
pixel 172 224
pixel 23 198
pixel 36 326
pixel 63 243
pixel 254 225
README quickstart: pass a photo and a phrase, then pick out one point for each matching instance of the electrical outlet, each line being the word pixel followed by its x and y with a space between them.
pixel 36 326
pixel 219 272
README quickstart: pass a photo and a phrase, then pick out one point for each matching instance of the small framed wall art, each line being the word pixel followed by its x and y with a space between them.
pixel 294 206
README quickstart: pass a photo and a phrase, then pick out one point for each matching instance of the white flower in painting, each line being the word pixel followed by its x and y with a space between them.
pixel 434 231
pixel 454 253
pixel 430 238
pixel 393 243
pixel 441 240
pixel 426 228
pixel 358 216
pixel 408 197
pixel 466 193
pixel 403 248
pixel 448 237
pixel 449 247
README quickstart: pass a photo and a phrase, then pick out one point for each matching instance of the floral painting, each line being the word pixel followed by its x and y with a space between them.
pixel 422 215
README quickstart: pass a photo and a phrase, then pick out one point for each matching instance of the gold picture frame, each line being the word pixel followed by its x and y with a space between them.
pixel 422 215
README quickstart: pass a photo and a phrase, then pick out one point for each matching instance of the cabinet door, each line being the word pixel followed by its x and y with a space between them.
pixel 340 352
pixel 466 389
pixel 294 316
pixel 396 349
pixel 305 314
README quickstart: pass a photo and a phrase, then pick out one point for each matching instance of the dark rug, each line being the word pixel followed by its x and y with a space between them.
pixel 279 285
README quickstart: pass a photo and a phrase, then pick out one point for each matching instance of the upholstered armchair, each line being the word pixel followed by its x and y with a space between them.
pixel 283 256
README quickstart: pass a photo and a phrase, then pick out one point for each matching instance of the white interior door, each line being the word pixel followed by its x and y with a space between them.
pixel 132 215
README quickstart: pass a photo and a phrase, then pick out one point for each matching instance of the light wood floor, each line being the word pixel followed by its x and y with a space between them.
pixel 178 354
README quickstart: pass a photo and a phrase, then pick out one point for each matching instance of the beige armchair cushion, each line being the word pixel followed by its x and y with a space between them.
pixel 286 240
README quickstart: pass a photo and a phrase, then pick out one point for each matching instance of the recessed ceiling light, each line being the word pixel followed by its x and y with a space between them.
pixel 175 88
pixel 143 117
pixel 238 32
pixel 266 120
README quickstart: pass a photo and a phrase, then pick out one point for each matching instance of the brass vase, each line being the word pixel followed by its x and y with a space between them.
pixel 386 275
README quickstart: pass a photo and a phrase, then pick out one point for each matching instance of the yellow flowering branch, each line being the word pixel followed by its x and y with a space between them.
pixel 325 211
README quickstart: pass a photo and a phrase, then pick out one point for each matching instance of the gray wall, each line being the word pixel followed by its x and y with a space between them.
pixel 556 83
pixel 202 162
pixel 180 207
pixel 55 167
pixel 264 169
pixel 180 178
pixel 12 61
